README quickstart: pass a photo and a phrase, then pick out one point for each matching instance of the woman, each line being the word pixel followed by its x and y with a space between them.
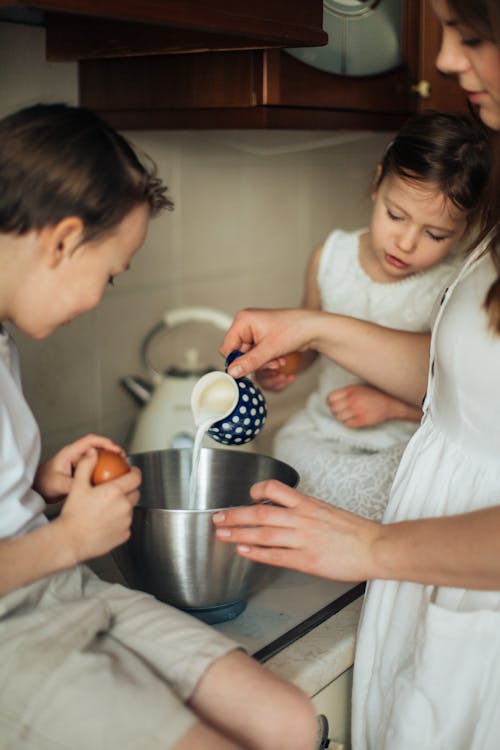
pixel 427 670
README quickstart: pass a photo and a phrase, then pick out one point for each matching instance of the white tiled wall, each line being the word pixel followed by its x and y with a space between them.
pixel 249 207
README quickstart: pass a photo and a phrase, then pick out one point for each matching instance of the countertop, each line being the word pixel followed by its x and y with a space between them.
pixel 301 626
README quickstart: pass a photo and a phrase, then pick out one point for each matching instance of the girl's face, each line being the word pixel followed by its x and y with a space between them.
pixel 474 61
pixel 57 295
pixel 413 227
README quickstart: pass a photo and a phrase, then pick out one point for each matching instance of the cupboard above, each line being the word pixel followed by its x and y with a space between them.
pixel 86 29
pixel 175 64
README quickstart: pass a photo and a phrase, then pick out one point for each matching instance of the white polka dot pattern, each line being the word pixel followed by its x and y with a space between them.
pixel 247 419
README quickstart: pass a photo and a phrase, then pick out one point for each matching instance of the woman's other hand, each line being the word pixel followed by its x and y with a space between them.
pixel 301 533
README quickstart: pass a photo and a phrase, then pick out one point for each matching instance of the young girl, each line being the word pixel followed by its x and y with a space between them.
pixel 86 664
pixel 427 667
pixel 348 440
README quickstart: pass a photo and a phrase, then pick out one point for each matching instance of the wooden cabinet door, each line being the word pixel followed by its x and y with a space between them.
pixel 433 89
pixel 269 88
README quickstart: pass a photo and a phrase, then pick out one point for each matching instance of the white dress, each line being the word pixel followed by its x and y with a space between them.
pixel 427 667
pixel 354 468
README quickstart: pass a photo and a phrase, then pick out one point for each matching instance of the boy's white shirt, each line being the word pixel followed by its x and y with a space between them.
pixel 21 508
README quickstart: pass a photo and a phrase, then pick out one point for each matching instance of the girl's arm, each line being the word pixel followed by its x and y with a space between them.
pixel 394 361
pixel 365 406
pixel 319 539
pixel 93 521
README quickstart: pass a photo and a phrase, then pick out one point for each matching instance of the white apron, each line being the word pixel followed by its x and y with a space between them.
pixel 427 668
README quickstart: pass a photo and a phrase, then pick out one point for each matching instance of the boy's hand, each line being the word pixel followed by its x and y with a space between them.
pixel 98 519
pixel 54 478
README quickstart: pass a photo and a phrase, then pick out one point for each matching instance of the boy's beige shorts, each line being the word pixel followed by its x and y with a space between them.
pixel 89 665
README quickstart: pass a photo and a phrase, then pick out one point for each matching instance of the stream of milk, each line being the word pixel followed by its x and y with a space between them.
pixel 214 403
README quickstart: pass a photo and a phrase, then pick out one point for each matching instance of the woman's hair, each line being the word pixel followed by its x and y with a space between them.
pixel 483 17
pixel 58 161
pixel 448 150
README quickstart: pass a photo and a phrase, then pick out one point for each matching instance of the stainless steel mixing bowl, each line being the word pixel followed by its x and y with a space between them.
pixel 175 550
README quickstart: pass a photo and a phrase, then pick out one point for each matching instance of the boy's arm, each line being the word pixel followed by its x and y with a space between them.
pixel 93 521
pixel 24 559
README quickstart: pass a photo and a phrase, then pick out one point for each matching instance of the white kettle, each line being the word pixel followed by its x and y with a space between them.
pixel 166 419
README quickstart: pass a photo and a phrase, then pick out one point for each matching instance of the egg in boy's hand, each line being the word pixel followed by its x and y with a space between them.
pixel 109 466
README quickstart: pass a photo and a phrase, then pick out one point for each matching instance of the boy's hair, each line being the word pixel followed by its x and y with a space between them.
pixel 57 161
pixel 449 150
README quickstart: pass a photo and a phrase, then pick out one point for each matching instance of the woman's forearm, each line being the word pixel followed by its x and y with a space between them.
pixel 394 361
pixel 458 551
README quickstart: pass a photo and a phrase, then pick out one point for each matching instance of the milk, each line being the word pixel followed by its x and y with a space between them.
pixel 214 397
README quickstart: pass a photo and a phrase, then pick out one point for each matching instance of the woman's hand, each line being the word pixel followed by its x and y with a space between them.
pixel 97 519
pixel 301 533
pixel 54 478
pixel 265 336
pixel 364 406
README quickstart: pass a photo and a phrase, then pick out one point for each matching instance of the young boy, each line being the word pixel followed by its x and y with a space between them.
pixel 84 663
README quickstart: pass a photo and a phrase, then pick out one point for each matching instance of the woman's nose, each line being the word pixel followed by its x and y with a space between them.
pixel 451 58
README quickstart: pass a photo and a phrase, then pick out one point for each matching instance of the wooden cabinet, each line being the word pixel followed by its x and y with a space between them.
pixel 193 64
pixel 269 88
pixel 442 92
pixel 108 28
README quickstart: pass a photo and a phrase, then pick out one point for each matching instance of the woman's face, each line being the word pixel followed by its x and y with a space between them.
pixel 473 60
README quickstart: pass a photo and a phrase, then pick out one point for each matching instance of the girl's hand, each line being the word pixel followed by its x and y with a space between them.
pixel 54 478
pixel 270 379
pixel 98 519
pixel 300 533
pixel 364 406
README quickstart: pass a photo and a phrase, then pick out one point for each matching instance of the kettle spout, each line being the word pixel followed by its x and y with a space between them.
pixel 138 388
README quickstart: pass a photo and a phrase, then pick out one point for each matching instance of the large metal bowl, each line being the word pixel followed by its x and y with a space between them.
pixel 175 551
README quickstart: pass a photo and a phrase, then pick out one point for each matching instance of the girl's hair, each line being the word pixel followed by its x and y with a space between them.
pixel 448 150
pixel 58 161
pixel 483 17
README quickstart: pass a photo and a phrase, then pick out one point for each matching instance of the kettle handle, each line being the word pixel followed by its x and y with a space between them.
pixel 176 317
pixel 181 315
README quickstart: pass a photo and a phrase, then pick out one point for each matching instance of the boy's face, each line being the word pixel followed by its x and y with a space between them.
pixel 76 282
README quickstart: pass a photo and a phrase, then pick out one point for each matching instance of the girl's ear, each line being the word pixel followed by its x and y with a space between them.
pixel 375 183
pixel 61 240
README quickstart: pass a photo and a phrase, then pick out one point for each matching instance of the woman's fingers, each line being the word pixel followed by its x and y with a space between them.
pixel 277 506
pixel 277 492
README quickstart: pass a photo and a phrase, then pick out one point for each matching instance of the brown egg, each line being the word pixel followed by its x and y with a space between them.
pixel 292 364
pixel 109 466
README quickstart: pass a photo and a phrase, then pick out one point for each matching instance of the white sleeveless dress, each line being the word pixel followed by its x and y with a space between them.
pixel 427 666
pixel 354 468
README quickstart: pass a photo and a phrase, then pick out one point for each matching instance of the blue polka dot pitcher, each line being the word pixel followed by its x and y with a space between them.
pixel 231 410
